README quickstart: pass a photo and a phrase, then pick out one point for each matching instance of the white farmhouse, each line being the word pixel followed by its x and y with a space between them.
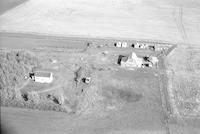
pixel 43 77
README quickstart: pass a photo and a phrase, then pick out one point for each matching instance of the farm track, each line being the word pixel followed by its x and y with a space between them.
pixel 163 84
pixel 178 18
pixel 48 89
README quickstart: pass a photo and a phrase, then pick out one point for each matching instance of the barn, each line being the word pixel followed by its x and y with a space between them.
pixel 131 61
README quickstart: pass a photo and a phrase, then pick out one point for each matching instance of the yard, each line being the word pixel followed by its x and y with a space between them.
pixel 123 95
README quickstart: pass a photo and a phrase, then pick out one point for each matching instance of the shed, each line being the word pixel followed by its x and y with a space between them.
pixel 118 44
pixel 124 44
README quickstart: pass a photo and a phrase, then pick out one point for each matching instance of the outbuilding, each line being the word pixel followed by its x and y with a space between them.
pixel 140 45
pixel 136 45
pixel 124 44
pixel 150 61
pixel 121 44
pixel 118 44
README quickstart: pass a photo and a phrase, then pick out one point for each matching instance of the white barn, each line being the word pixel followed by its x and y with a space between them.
pixel 43 77
pixel 131 61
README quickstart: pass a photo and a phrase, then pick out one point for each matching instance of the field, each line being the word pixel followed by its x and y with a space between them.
pixel 168 20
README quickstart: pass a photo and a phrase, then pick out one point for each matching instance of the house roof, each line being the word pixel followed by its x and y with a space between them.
pixel 42 74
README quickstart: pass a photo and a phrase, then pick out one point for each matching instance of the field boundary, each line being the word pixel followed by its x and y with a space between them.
pixel 78 37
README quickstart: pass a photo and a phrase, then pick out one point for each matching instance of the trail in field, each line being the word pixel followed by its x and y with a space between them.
pixel 180 24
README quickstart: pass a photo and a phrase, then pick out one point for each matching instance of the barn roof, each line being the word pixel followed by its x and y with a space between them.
pixel 42 74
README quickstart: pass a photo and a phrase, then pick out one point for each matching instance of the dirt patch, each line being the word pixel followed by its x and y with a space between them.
pixel 121 95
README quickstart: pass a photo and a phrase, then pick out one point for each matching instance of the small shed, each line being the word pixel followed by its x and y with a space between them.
pixel 53 61
pixel 142 45
pixel 147 64
pixel 136 45
pixel 118 44
pixel 124 44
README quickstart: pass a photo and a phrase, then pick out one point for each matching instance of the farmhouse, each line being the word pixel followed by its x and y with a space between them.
pixel 42 77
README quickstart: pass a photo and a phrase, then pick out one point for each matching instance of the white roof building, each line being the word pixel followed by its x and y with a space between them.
pixel 43 77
